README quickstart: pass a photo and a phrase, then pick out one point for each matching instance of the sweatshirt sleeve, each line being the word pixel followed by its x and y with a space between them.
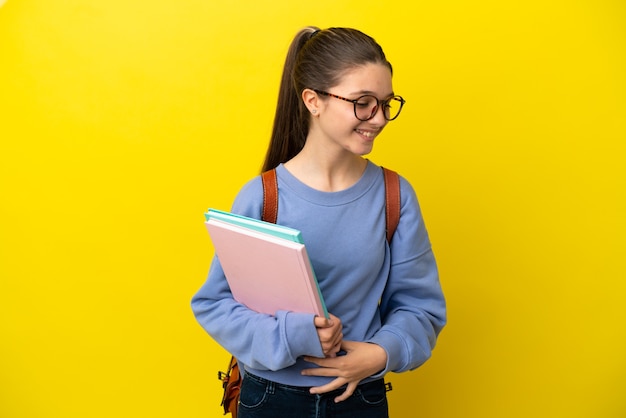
pixel 263 342
pixel 413 308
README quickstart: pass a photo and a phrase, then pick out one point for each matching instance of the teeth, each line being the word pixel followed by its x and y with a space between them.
pixel 367 134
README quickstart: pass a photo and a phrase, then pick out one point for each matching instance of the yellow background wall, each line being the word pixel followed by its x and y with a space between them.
pixel 121 122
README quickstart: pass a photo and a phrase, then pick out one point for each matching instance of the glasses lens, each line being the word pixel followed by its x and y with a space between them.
pixel 365 107
pixel 393 107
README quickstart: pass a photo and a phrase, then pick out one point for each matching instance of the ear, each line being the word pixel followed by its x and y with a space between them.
pixel 311 101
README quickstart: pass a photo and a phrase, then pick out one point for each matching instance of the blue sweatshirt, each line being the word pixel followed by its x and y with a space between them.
pixel 388 295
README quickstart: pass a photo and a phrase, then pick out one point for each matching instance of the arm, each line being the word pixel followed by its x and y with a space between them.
pixel 413 307
pixel 412 310
pixel 269 342
pixel 258 340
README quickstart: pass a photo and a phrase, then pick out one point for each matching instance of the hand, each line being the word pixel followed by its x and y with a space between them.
pixel 329 333
pixel 361 360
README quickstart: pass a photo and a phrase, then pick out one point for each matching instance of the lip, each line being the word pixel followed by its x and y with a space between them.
pixel 367 134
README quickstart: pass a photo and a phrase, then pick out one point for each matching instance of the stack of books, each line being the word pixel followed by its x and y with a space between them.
pixel 266 265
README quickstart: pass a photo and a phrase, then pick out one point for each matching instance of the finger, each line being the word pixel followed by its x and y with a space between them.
pixel 337 337
pixel 347 345
pixel 315 360
pixel 349 391
pixel 329 387
pixel 331 363
pixel 329 341
pixel 320 371
pixel 330 352
pixel 321 322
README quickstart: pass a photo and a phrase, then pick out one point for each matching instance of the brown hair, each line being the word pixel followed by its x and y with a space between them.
pixel 316 59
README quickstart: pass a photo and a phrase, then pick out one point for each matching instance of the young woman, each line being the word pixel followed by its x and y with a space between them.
pixel 385 300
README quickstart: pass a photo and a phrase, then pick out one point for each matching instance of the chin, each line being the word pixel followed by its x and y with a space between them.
pixel 363 153
pixel 360 148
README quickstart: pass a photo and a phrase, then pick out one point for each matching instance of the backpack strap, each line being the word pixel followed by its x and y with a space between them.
pixel 392 199
pixel 270 196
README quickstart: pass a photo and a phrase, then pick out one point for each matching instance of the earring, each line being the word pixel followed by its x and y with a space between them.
pixel 314 111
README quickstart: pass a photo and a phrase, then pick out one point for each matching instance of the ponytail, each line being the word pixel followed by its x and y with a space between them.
pixel 291 122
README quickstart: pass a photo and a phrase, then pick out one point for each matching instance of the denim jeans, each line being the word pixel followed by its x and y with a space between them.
pixel 261 398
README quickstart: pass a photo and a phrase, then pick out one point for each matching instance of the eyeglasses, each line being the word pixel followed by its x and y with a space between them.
pixel 366 107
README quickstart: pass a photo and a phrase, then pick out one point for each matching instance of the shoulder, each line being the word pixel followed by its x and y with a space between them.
pixel 249 200
pixel 407 192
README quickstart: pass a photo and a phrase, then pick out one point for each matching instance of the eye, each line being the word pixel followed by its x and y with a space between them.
pixel 366 101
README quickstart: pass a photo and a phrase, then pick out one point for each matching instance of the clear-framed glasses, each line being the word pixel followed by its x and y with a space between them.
pixel 366 107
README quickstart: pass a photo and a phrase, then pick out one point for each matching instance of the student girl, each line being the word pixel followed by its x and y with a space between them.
pixel 385 300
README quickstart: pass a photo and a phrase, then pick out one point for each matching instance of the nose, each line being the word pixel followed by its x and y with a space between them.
pixel 378 116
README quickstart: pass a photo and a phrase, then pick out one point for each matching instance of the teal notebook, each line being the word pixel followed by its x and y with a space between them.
pixel 256 225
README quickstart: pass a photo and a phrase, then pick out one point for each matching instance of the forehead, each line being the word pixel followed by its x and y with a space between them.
pixel 368 78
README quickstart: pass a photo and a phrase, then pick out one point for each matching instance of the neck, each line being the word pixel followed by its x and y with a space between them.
pixel 325 172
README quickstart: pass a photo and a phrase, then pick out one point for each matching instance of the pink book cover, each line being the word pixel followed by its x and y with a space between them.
pixel 266 273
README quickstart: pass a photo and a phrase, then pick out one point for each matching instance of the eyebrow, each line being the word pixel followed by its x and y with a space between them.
pixel 371 93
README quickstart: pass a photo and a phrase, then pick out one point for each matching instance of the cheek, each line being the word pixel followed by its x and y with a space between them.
pixel 341 123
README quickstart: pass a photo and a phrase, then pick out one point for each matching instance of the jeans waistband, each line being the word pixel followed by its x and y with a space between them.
pixel 305 389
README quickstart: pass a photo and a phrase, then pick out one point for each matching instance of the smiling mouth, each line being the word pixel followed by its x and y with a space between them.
pixel 367 134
